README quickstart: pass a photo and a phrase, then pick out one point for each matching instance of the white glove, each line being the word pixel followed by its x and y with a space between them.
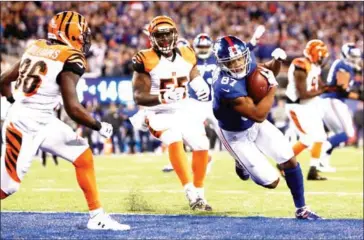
pixel 172 95
pixel 201 89
pixel 279 54
pixel 106 130
pixel 270 76
pixel 257 35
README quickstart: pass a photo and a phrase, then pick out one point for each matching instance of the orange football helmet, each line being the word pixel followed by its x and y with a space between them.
pixel 163 34
pixel 316 51
pixel 70 28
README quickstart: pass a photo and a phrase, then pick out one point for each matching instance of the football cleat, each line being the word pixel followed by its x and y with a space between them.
pixel 314 176
pixel 103 221
pixel 168 168
pixel 324 165
pixel 200 205
pixel 241 172
pixel 305 213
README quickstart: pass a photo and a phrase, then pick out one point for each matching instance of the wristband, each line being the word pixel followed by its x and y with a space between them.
pixel 10 99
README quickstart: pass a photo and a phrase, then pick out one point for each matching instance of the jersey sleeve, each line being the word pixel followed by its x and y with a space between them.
pixel 75 63
pixel 137 63
pixel 301 64
pixel 145 60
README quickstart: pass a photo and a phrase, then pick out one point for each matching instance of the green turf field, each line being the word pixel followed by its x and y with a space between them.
pixel 136 184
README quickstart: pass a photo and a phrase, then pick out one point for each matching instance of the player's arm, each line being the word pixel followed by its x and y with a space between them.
pixel 247 108
pixel 141 90
pixel 279 55
pixel 199 85
pixel 67 81
pixel 300 76
pixel 6 78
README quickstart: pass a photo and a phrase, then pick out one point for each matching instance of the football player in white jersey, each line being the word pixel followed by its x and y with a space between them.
pixel 48 72
pixel 160 79
pixel 303 102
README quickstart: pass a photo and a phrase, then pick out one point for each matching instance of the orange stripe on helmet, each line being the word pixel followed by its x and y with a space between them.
pixel 315 50
pixel 159 22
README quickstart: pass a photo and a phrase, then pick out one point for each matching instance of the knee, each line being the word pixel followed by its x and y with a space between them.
pixel 85 160
pixel 291 163
pixel 198 143
pixel 273 185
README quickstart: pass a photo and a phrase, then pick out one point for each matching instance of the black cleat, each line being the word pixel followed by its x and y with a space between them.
pixel 241 172
pixel 314 176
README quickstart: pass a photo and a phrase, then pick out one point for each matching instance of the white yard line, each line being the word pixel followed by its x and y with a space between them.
pixel 237 192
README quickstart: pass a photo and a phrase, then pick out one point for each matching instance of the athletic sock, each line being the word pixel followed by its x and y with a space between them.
pixel 294 180
pixel 199 165
pixel 336 140
pixel 178 159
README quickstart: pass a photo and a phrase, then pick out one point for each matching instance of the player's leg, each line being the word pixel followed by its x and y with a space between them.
pixel 242 147
pixel 273 143
pixel 195 136
pixel 338 119
pixel 62 141
pixel 18 151
pixel 166 128
pixel 310 128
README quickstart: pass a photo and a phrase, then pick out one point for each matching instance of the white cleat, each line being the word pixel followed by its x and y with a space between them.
pixel 103 221
pixel 168 168
pixel 324 165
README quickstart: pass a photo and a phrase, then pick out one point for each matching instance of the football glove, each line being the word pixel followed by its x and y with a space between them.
pixel 279 54
pixel 201 88
pixel 106 130
pixel 257 35
pixel 172 95
pixel 270 76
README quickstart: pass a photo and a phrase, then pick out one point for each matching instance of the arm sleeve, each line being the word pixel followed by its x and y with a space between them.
pixel 138 64
pixel 76 63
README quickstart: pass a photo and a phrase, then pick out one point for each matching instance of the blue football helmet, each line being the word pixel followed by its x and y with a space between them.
pixel 202 44
pixel 233 56
pixel 352 55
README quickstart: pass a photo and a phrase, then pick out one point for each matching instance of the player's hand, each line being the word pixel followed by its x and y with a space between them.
pixel 172 95
pixel 279 54
pixel 257 35
pixel 201 89
pixel 270 76
pixel 106 129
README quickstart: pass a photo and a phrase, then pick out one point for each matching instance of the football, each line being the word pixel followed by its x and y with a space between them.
pixel 257 86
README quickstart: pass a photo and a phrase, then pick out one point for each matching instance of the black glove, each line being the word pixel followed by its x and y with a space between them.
pixel 10 99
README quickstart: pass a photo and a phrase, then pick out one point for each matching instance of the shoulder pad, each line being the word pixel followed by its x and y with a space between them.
pixel 302 63
pixel 145 60
pixel 188 54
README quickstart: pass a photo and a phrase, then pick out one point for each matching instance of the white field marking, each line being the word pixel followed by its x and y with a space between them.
pixel 238 192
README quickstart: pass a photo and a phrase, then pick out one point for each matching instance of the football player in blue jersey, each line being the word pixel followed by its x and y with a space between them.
pixel 206 64
pixel 336 114
pixel 244 130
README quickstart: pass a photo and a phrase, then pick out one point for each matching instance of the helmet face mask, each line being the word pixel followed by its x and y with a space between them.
pixel 233 56
pixel 163 34
pixel 86 39
pixel 164 40
pixel 238 66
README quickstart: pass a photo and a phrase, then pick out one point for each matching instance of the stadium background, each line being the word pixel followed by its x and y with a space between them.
pixel 117 29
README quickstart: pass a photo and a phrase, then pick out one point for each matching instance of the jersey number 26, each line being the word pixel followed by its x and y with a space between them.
pixel 29 78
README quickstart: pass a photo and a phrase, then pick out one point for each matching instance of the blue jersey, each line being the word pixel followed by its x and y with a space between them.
pixel 227 87
pixel 338 65
pixel 206 68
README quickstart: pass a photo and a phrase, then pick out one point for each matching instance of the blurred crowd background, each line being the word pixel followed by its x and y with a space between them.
pixel 117 29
